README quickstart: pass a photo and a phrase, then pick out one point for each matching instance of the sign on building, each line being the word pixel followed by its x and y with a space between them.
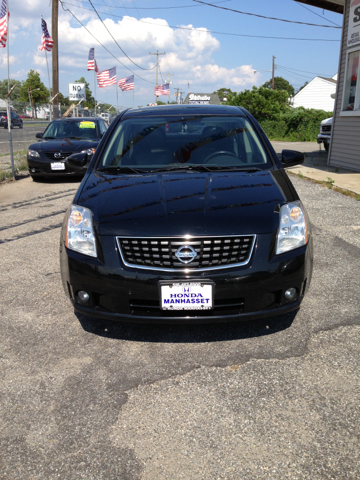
pixel 354 24
pixel 199 99
pixel 76 91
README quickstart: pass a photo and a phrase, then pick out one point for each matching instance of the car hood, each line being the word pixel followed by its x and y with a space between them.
pixel 167 204
pixel 64 145
pixel 327 121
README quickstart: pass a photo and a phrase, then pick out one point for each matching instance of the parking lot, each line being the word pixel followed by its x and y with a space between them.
pixel 91 399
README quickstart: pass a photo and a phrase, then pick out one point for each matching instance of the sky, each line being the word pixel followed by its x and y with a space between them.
pixel 206 48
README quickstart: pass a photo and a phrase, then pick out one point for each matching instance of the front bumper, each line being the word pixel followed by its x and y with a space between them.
pixel 253 291
pixel 42 168
pixel 322 138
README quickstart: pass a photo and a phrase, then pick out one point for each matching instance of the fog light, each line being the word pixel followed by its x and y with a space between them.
pixel 83 297
pixel 32 170
pixel 290 294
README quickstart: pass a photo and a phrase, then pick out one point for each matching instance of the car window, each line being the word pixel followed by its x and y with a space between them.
pixel 103 127
pixel 86 129
pixel 202 140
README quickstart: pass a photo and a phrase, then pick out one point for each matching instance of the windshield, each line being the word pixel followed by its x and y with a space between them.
pixel 176 141
pixel 82 129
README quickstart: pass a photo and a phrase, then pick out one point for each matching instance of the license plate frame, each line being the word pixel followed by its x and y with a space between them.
pixel 192 301
pixel 57 165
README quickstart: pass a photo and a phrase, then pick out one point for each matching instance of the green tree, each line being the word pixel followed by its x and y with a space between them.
pixel 261 102
pixel 224 93
pixel 63 100
pixel 15 94
pixel 280 84
pixel 306 83
pixel 40 93
pixel 90 100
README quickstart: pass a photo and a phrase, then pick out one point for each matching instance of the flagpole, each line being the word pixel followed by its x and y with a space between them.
pixel 8 94
pixel 47 65
pixel 94 84
pixel 133 95
pixel 117 96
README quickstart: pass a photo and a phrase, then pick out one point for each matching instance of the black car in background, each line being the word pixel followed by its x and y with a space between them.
pixel 16 121
pixel 186 214
pixel 63 137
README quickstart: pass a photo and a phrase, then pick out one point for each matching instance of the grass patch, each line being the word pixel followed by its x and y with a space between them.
pixel 329 183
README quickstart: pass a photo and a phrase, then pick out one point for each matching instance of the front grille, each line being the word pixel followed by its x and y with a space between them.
pixel 211 252
pixel 151 308
pixel 326 128
pixel 63 155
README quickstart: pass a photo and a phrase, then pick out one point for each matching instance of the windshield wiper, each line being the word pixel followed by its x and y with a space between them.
pixel 49 138
pixel 197 168
pixel 120 170
pixel 204 168
pixel 236 169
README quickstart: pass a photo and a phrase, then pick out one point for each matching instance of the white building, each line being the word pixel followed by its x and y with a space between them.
pixel 317 94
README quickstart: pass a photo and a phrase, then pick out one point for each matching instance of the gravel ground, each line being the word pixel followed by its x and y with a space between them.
pixel 88 399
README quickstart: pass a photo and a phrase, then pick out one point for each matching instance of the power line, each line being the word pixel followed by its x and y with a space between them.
pixel 127 68
pixel 306 8
pixel 154 8
pixel 126 55
pixel 293 73
pixel 210 31
pixel 304 71
pixel 262 16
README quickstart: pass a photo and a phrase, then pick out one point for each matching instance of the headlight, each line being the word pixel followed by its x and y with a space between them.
pixel 80 233
pixel 89 151
pixel 33 153
pixel 292 230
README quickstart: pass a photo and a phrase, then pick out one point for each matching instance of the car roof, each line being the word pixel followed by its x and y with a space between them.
pixel 77 119
pixel 183 110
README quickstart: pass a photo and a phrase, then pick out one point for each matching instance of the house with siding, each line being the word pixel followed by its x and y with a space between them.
pixel 317 94
pixel 344 148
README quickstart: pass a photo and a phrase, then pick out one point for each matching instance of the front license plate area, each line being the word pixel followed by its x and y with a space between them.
pixel 58 166
pixel 187 295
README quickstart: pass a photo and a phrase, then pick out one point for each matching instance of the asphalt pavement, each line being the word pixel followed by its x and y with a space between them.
pixel 88 399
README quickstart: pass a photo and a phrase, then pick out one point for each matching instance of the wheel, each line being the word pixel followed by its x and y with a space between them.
pixel 21 125
pixel 326 146
pixel 221 152
pixel 11 125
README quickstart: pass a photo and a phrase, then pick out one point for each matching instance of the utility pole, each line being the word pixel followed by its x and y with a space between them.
pixel 181 97
pixel 177 94
pixel 55 55
pixel 157 65
pixel 168 79
pixel 273 74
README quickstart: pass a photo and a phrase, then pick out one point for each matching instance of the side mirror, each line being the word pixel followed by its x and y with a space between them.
pixel 39 135
pixel 290 158
pixel 77 160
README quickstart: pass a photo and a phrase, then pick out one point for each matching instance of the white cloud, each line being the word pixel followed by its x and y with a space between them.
pixel 189 52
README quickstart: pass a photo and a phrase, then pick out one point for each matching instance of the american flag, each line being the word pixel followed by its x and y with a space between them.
pixel 126 83
pixel 3 25
pixel 92 65
pixel 162 90
pixel 106 77
pixel 47 42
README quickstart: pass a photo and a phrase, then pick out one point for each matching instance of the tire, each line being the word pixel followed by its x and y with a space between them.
pixel 21 125
pixel 11 125
pixel 37 178
pixel 326 146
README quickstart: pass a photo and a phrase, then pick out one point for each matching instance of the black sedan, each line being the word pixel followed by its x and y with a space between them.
pixel 16 121
pixel 186 215
pixel 63 137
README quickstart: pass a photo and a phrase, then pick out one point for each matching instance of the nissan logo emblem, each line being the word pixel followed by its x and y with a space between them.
pixel 185 254
pixel 57 155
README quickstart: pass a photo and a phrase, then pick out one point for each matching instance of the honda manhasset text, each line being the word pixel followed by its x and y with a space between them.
pixel 186 298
